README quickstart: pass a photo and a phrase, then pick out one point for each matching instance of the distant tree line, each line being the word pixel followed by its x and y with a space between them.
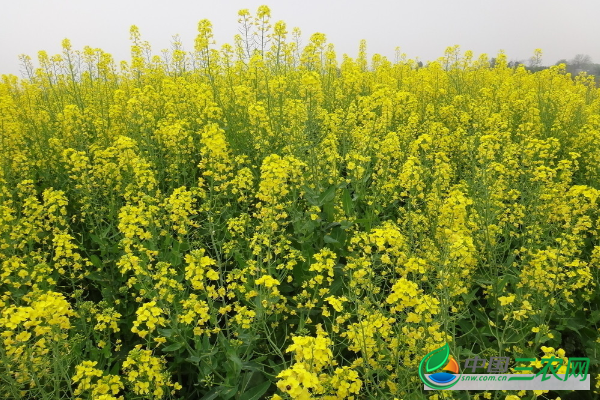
pixel 576 65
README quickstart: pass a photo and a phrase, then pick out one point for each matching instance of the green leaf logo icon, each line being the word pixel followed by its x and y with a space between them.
pixel 434 361
pixel 437 358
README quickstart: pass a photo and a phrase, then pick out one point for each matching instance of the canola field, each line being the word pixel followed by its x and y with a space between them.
pixel 261 220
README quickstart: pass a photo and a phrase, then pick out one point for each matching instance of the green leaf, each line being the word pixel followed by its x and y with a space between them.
pixel 347 203
pixel 241 261
pixel 96 239
pixel 213 394
pixel 165 332
pixel 594 317
pixel 276 368
pixel 286 288
pixel 95 260
pixel 310 195
pixel 466 326
pixel 331 225
pixel 96 276
pixel 345 225
pixel 468 298
pixel 336 285
pixel 193 359
pixel 480 316
pixel 252 366
pixel 327 196
pixel 437 358
pixel 256 392
pixel 329 239
pixel 236 363
pixel 307 228
pixel 503 281
pixel 173 347
pixel 329 210
pixel 228 392
pixel 115 369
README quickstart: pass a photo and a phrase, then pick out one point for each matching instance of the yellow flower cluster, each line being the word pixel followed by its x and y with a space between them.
pixel 146 374
pixel 150 315
pixel 33 334
pixel 308 377
pixel 100 386
pixel 196 312
pixel 199 269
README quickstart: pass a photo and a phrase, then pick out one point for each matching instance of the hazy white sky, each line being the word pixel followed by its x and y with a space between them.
pixel 421 28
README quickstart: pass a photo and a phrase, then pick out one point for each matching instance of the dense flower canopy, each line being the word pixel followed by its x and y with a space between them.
pixel 257 220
